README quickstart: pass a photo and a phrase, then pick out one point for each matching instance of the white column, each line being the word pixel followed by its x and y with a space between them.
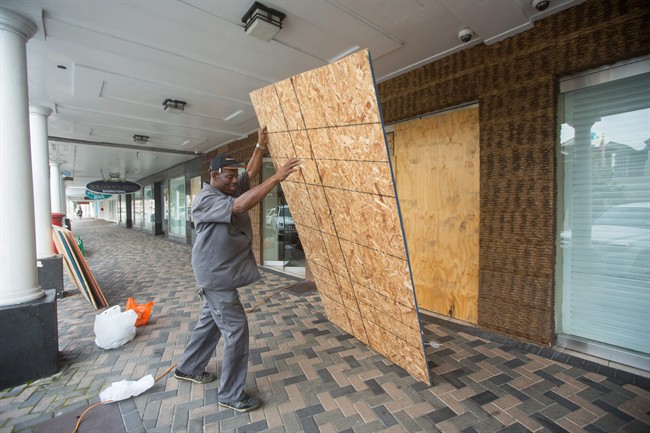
pixel 18 272
pixel 55 187
pixel 41 178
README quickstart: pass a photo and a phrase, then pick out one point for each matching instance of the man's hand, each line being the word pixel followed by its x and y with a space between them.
pixel 253 196
pixel 262 136
pixel 288 168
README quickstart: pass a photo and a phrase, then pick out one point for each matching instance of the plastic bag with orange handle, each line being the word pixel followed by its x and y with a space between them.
pixel 143 311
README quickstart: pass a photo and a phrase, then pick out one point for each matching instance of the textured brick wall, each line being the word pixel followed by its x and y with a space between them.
pixel 515 82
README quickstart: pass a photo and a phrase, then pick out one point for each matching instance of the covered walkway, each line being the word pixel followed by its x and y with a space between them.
pixel 311 376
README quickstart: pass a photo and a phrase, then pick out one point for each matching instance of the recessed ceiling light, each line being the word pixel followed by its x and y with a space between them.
pixel 61 67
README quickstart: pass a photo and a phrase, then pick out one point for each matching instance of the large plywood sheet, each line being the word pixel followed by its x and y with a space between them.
pixel 441 209
pixel 344 205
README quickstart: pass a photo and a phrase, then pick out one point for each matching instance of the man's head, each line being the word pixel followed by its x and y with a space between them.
pixel 223 173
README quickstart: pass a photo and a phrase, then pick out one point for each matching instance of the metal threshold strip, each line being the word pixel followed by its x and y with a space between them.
pixel 604 351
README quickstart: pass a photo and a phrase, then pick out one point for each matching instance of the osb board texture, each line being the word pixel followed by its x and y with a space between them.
pixel 437 178
pixel 344 205
pixel 242 150
pixel 515 82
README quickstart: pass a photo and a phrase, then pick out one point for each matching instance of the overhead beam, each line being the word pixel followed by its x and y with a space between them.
pixel 123 146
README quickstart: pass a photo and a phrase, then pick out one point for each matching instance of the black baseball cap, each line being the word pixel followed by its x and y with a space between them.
pixel 222 161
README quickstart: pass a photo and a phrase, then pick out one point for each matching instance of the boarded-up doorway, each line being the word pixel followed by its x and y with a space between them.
pixel 436 166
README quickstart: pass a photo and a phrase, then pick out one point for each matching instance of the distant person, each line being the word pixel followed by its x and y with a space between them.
pixel 223 261
pixel 80 213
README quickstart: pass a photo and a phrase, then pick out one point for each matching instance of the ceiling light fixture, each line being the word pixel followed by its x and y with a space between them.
pixel 140 139
pixel 262 22
pixel 174 106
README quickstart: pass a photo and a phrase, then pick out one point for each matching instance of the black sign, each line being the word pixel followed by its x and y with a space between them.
pixel 110 187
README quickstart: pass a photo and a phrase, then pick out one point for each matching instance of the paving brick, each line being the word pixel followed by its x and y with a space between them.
pixel 451 402
pixel 569 425
pixel 549 424
pixel 502 416
pixel 311 375
pixel 348 422
pixel 406 421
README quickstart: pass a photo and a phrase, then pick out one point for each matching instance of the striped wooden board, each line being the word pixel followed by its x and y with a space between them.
pixel 78 267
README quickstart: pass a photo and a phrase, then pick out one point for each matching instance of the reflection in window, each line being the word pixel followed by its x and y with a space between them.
pixel 137 209
pixel 282 247
pixel 149 208
pixel 177 206
pixel 605 212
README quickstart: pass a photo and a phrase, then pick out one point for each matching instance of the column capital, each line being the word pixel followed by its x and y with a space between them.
pixel 55 163
pixel 17 23
pixel 36 109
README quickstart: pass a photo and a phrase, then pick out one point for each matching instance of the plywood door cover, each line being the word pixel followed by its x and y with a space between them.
pixel 344 204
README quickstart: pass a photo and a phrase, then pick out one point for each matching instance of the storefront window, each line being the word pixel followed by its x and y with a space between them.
pixel 137 209
pixel 177 214
pixel 605 208
pixel 122 208
pixel 149 208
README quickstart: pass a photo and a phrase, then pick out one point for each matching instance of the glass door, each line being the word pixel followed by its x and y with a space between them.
pixel 137 209
pixel 177 215
pixel 149 208
pixel 281 246
pixel 604 232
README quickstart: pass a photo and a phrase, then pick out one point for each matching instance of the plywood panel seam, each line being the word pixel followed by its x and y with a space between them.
pixel 329 207
pixel 341 189
pixel 316 128
pixel 344 204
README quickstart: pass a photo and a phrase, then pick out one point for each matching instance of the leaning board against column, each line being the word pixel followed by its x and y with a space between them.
pixel 73 266
pixel 92 282
pixel 78 267
pixel 344 204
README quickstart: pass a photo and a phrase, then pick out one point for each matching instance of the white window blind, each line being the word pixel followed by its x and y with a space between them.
pixel 605 213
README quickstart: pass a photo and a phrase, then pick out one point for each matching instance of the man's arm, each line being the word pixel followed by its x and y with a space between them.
pixel 255 195
pixel 255 163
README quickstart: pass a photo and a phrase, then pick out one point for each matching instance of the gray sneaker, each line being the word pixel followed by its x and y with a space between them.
pixel 246 404
pixel 204 377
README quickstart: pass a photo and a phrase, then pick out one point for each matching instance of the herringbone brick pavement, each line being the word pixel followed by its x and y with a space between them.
pixel 311 376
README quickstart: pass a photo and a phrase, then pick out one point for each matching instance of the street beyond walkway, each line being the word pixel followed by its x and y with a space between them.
pixel 311 376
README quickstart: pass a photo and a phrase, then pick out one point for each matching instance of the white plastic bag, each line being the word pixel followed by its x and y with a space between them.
pixel 126 388
pixel 114 328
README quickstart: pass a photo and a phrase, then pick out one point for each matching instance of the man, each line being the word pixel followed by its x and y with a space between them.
pixel 223 261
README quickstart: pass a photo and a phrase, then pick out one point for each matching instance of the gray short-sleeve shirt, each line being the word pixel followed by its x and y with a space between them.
pixel 222 258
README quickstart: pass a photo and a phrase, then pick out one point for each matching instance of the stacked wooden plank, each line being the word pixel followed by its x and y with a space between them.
pixel 77 267
pixel 344 204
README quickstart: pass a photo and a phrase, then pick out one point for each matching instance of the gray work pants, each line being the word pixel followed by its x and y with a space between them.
pixel 222 314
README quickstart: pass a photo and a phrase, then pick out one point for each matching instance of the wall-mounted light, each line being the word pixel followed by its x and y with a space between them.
pixel 174 106
pixel 140 139
pixel 262 21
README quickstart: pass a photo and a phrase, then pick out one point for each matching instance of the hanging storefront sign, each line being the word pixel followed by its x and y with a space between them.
pixel 113 187
pixel 92 195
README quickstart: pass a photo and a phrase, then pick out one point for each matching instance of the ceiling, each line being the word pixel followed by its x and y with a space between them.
pixel 105 67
